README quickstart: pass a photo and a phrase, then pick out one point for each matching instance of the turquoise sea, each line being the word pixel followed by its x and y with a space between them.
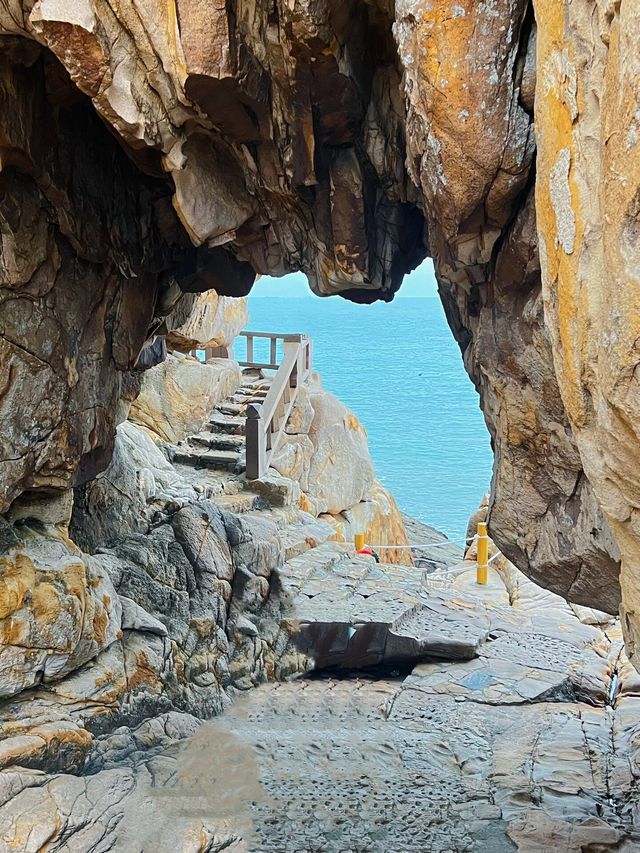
pixel 399 369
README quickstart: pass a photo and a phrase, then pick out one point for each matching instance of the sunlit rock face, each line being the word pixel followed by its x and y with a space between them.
pixel 177 398
pixel 469 82
pixel 347 141
pixel 588 203
pixel 206 320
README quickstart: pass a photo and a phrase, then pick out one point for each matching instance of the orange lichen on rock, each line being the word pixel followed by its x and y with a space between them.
pixel 587 200
pixel 17 576
pixel 379 519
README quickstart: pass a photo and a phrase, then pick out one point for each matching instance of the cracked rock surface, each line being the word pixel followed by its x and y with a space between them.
pixel 169 604
pixel 529 745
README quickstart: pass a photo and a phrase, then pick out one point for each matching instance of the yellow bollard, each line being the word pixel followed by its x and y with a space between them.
pixel 359 541
pixel 483 554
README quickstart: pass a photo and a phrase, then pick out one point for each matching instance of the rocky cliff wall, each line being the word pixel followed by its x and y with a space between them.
pixel 190 149
pixel 588 204
pixel 469 83
pixel 157 588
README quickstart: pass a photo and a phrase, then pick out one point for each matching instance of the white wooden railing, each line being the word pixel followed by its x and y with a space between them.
pixel 273 339
pixel 266 421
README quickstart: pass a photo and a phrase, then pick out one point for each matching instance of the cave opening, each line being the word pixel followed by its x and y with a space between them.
pixel 180 537
pixel 398 368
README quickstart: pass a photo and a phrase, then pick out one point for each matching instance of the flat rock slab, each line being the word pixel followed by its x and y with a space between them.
pixel 368 766
pixel 524 644
pixel 352 613
pixel 426 632
pixel 425 556
pixel 339 776
pixel 514 740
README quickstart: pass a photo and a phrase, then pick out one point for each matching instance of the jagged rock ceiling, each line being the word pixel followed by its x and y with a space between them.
pixel 153 151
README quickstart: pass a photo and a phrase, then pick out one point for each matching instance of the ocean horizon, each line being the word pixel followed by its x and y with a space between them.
pixel 398 368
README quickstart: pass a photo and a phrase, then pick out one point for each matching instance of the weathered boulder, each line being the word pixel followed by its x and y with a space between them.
pixel 341 471
pixel 139 488
pixel 58 609
pixel 380 520
pixel 422 538
pixel 177 396
pixel 325 449
pixel 213 321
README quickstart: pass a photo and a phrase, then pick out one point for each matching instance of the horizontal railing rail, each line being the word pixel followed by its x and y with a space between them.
pixel 266 421
pixel 273 338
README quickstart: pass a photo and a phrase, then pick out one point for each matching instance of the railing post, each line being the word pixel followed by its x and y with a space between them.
pixel 288 345
pixel 216 352
pixel 256 444
pixel 482 554
pixel 249 347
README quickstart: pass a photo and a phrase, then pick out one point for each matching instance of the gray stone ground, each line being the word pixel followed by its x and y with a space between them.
pixel 529 741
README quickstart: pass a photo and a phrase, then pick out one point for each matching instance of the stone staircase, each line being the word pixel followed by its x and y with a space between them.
pixel 213 460
pixel 221 446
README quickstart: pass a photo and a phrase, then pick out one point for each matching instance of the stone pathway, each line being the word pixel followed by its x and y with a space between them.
pixel 221 446
pixel 519 731
pixel 531 744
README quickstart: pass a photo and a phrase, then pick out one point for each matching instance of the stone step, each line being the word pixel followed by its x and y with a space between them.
pixel 217 440
pixel 299 569
pixel 252 374
pixel 297 539
pixel 263 385
pixel 242 502
pixel 245 399
pixel 255 383
pixel 228 460
pixel 227 424
pixel 231 408
pixel 352 612
pixel 252 392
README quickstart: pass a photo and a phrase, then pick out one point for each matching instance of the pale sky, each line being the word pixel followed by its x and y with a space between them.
pixel 421 282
